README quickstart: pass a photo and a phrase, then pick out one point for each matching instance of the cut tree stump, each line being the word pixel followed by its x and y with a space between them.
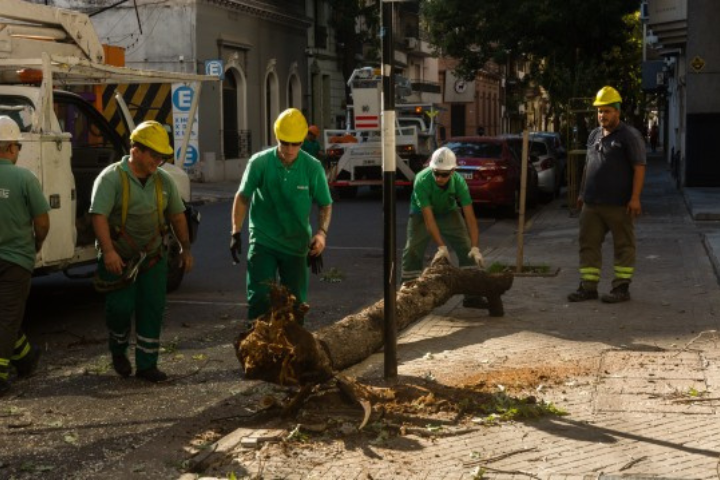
pixel 279 350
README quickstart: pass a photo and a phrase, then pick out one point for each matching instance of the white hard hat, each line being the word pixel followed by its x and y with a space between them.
pixel 9 130
pixel 443 159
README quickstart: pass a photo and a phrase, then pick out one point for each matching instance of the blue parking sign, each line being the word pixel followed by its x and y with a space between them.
pixel 191 156
pixel 182 98
pixel 215 68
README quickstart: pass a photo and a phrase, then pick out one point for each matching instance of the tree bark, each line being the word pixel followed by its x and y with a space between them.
pixel 276 350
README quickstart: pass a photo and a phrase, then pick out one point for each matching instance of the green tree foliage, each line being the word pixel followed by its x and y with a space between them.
pixel 356 24
pixel 574 46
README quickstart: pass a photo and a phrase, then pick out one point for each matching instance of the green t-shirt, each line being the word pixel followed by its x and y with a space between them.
pixel 427 193
pixel 312 147
pixel 21 200
pixel 282 198
pixel 142 225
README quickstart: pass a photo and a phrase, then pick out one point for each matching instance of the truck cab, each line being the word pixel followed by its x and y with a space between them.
pixel 66 141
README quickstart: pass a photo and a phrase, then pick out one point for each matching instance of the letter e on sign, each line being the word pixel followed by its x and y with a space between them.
pixel 182 98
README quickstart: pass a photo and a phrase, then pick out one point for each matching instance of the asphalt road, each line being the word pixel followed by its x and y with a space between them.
pixel 77 419
pixel 354 257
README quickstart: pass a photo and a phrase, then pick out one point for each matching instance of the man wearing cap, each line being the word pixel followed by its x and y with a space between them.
pixel 278 188
pixel 609 199
pixel 438 195
pixel 130 201
pixel 25 224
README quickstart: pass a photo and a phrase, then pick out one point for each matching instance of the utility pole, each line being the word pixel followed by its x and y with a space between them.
pixel 389 167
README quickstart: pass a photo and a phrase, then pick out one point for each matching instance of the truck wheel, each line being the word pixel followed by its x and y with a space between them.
pixel 176 272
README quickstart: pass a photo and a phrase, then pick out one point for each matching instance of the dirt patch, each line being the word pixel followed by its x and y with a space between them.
pixel 520 380
pixel 330 418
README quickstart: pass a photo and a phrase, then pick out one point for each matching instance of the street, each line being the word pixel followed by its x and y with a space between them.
pixel 354 256
pixel 76 416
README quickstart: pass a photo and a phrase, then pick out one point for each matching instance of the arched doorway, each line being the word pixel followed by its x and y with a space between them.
pixel 294 92
pixel 271 105
pixel 237 142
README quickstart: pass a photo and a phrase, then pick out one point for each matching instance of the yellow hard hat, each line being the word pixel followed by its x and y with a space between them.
pixel 152 135
pixel 291 126
pixel 607 96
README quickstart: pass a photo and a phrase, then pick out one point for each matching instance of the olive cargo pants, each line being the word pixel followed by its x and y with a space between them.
pixel 595 222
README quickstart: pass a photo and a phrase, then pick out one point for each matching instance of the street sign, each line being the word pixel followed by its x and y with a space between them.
pixel 697 63
pixel 366 110
pixel 215 68
pixel 182 97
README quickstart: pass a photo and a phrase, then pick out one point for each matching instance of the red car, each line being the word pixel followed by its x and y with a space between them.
pixel 492 171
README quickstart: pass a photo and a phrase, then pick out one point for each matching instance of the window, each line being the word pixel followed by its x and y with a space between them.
pixel 19 109
pixel 475 150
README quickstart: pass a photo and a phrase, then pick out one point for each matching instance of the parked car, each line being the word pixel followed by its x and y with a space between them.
pixel 491 169
pixel 555 143
pixel 546 160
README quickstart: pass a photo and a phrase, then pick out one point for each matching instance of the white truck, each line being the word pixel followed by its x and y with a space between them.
pixel 354 155
pixel 66 141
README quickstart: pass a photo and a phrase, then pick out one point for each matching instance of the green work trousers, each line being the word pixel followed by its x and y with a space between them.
pixel 453 230
pixel 595 222
pixel 145 300
pixel 267 266
pixel 14 290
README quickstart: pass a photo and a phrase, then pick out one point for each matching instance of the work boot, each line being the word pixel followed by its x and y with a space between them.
pixel 4 386
pixel 27 365
pixel 152 374
pixel 582 294
pixel 621 293
pixel 121 364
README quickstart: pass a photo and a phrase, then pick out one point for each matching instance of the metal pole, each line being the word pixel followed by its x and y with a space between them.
pixel 523 193
pixel 389 166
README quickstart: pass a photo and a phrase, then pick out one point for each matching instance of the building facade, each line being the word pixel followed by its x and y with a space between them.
pixel 471 107
pixel 683 36
pixel 263 47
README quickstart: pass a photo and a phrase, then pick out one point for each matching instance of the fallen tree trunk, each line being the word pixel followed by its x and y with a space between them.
pixel 279 350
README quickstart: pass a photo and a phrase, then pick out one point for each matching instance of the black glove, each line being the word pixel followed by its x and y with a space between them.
pixel 316 263
pixel 236 247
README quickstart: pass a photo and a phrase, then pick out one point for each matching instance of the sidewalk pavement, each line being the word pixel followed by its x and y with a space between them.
pixel 635 366
pixel 202 192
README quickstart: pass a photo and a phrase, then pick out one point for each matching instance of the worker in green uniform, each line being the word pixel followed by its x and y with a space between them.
pixel 25 224
pixel 311 144
pixel 439 195
pixel 130 201
pixel 278 188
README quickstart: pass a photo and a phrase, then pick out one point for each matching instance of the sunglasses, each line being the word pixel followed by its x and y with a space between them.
pixel 440 174
pixel 158 157
pixel 291 144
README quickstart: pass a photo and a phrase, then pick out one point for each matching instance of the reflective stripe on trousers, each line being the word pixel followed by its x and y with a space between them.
pixel 595 222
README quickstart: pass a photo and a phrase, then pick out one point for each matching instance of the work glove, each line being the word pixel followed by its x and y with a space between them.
pixel 236 247
pixel 441 253
pixel 477 257
pixel 316 263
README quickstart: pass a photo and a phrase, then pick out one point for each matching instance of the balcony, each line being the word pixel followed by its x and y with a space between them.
pixel 417 47
pixel 423 86
pixel 668 21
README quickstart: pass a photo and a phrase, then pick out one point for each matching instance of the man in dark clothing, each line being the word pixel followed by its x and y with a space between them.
pixel 609 199
pixel 25 224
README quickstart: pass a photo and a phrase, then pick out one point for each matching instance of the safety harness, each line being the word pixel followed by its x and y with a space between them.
pixel 135 265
